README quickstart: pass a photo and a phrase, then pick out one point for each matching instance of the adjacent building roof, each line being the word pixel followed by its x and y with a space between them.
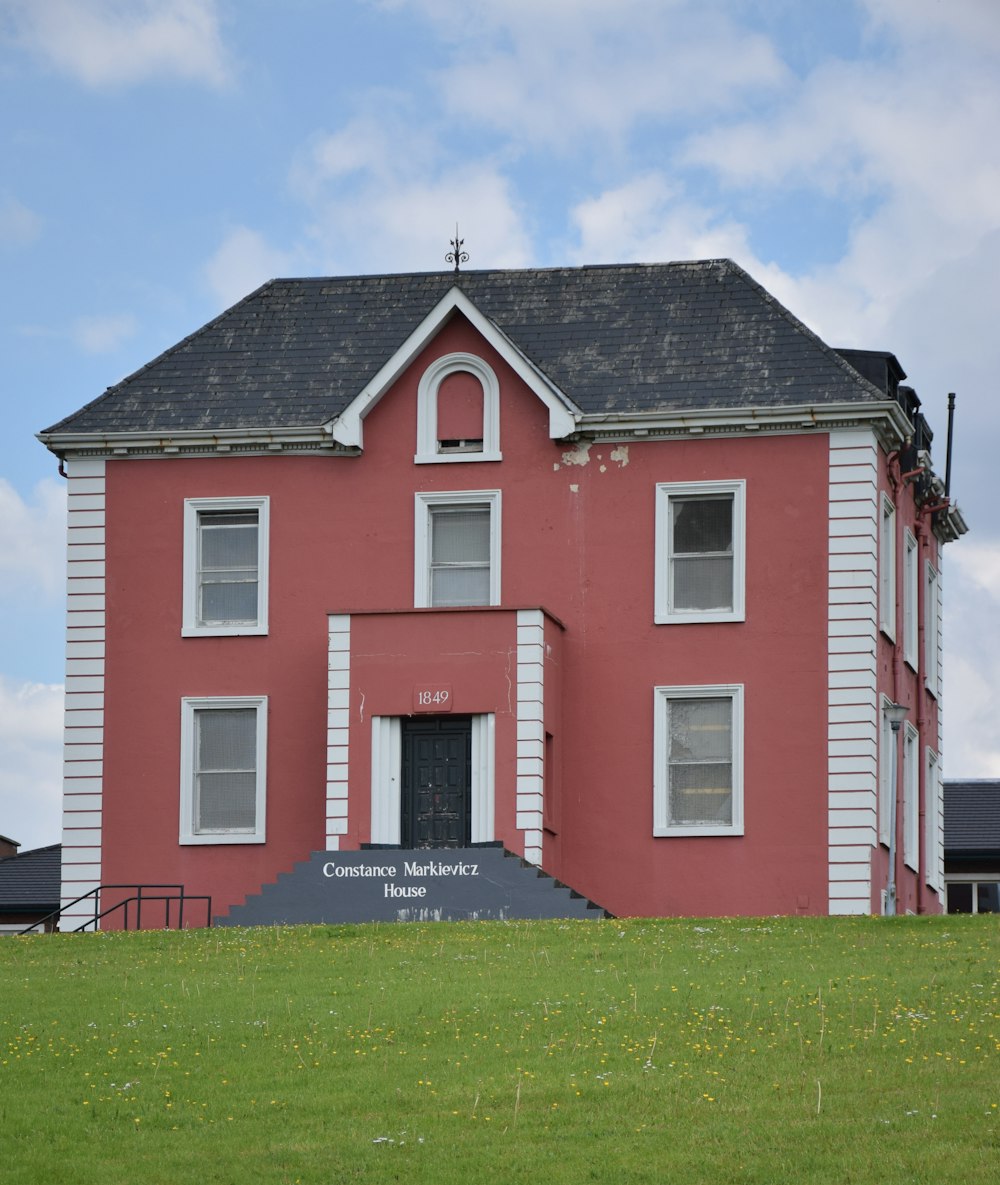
pixel 636 337
pixel 30 880
pixel 972 818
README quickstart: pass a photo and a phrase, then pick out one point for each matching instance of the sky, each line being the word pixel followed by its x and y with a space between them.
pixel 159 159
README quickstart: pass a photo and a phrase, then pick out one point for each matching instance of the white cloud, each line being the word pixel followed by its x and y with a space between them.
pixel 382 195
pixel 244 261
pixel 31 724
pixel 972 661
pixel 121 42
pixel 102 335
pixel 19 226
pixel 553 73
pixel 33 542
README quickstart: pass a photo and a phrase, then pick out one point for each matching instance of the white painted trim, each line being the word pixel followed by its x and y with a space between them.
pixel 193 507
pixel 386 779
pixel 853 621
pixel 338 682
pixel 530 730
pixel 83 746
pixel 661 752
pixel 422 504
pixel 427 408
pixel 663 612
pixel 347 428
pixel 483 823
pixel 191 706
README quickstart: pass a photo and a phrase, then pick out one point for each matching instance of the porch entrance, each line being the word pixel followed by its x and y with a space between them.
pixel 436 782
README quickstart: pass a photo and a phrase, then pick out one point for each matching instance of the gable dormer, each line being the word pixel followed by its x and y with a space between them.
pixel 457 397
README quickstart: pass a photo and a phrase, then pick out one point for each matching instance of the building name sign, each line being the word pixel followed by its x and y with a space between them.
pixel 387 884
pixel 388 874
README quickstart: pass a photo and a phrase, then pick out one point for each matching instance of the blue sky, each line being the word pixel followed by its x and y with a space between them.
pixel 161 158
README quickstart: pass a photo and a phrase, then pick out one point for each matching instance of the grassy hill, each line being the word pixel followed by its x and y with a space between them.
pixel 751 1051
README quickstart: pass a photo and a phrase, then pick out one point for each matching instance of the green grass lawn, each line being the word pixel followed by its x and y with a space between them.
pixel 763 1051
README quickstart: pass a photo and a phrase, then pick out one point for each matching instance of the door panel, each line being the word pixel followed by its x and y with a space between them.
pixel 436 798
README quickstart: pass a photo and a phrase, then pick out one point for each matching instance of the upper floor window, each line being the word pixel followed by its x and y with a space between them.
pixel 910 595
pixel 932 637
pixel 698 760
pixel 457 549
pixel 887 569
pixel 700 547
pixel 225 566
pixel 458 411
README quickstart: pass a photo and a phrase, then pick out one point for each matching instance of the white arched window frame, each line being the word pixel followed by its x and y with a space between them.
pixel 428 447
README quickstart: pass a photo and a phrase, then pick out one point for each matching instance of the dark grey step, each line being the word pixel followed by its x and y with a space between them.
pixel 397 885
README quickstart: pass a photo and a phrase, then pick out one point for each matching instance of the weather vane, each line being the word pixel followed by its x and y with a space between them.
pixel 457 256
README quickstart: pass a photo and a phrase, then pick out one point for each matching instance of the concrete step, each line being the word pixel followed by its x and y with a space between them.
pixel 399 885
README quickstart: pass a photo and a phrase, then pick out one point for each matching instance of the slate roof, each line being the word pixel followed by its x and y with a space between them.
pixel 633 337
pixel 972 817
pixel 31 880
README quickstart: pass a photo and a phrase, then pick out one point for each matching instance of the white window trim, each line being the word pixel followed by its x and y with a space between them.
pixel 661 748
pixel 887 568
pixel 189 706
pixel 932 609
pixel 427 410
pixel 911 797
pixel 422 539
pixel 190 628
pixel 662 612
pixel 911 575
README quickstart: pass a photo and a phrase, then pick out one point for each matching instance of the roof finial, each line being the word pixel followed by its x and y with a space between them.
pixel 456 255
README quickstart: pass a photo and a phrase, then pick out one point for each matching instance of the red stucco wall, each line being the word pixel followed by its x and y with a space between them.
pixel 578 540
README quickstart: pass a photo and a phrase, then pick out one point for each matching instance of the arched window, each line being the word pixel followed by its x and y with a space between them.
pixel 458 411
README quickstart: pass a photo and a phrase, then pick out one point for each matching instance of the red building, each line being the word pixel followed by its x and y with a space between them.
pixel 618 566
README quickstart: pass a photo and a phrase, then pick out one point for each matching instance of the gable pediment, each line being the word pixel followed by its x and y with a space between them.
pixel 564 416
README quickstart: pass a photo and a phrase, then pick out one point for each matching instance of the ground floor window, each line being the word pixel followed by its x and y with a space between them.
pixel 972 896
pixel 698 760
pixel 223 766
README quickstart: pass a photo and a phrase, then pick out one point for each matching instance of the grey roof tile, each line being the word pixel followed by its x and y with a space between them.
pixel 30 880
pixel 972 816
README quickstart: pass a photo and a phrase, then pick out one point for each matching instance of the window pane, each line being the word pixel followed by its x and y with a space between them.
pixel 700 771
pixel 959 898
pixel 460 586
pixel 700 729
pixel 701 553
pixel 227 566
pixel 703 583
pixel 227 802
pixel 988 898
pixel 225 769
pixel 460 535
pixel 702 524
pixel 460 555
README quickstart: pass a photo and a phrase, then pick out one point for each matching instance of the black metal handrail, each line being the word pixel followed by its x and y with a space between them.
pixel 142 893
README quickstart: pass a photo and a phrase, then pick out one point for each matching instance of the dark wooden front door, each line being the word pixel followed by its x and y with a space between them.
pixel 436 782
